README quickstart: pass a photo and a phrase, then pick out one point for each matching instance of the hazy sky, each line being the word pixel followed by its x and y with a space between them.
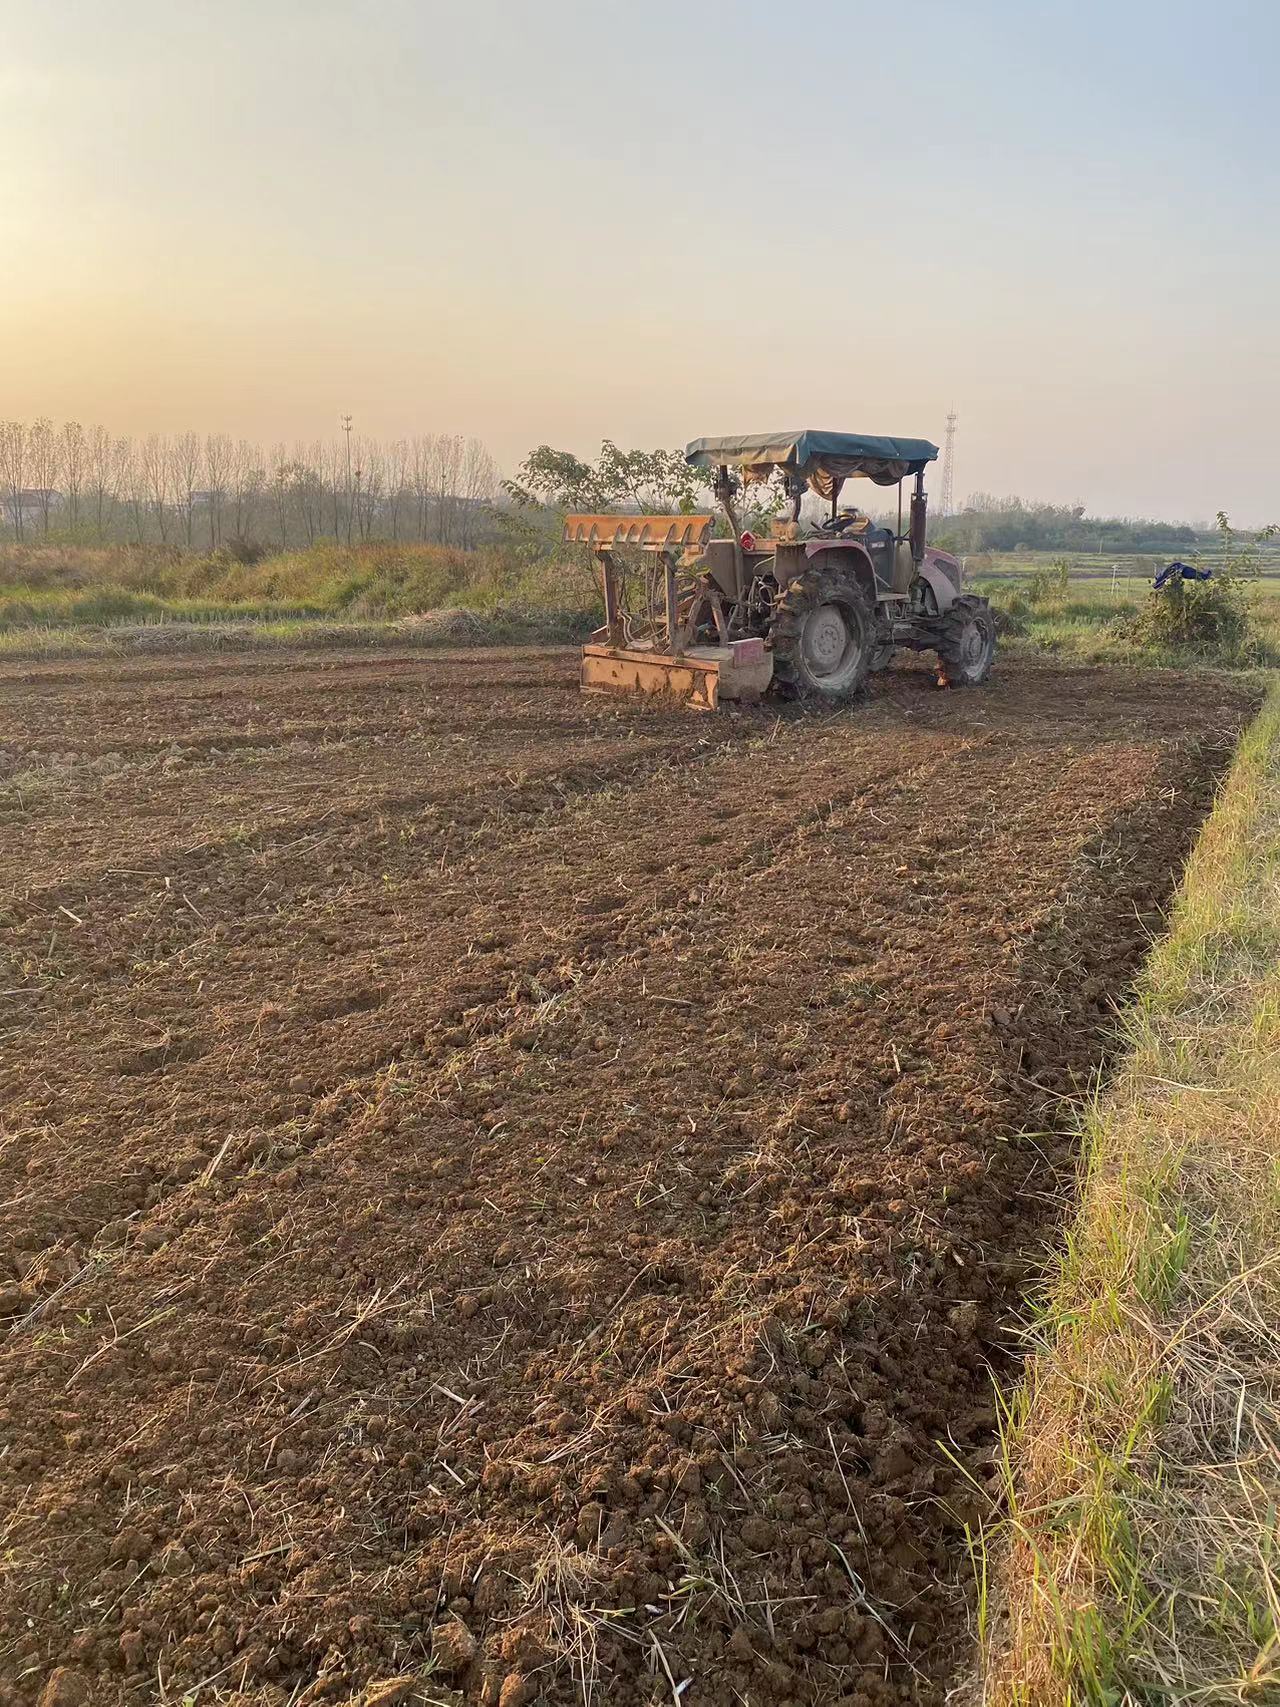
pixel 571 219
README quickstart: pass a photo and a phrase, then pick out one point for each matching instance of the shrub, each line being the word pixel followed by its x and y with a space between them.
pixel 1209 621
pixel 1010 621
pixel 241 550
pixel 1049 585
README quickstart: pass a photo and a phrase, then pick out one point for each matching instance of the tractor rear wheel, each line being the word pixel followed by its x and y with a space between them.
pixel 967 641
pixel 823 635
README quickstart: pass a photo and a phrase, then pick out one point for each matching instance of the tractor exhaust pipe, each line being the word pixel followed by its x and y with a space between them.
pixel 919 520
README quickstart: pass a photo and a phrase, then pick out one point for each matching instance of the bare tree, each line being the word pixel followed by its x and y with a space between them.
pixel 107 466
pixel 135 480
pixel 420 481
pixel 13 470
pixel 330 466
pixel 434 486
pixel 188 459
pixel 308 485
pixel 218 455
pixel 280 492
pixel 121 472
pixel 44 455
pixel 99 464
pixel 155 468
pixel 246 484
pixel 397 481
pixel 74 460
pixel 477 483
pixel 446 463
pixel 370 487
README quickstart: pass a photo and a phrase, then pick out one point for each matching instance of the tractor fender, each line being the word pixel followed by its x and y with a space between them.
pixel 942 572
pixel 847 555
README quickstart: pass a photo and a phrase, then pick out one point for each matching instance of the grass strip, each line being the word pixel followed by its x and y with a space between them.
pixel 1139 1557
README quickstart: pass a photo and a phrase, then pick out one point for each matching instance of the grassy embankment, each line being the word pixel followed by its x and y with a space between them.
pixel 62 597
pixel 68 597
pixel 1139 1561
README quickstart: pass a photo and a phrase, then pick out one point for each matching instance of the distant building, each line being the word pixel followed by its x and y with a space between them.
pixel 31 504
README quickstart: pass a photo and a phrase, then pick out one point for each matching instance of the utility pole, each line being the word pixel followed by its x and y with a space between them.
pixel 346 427
pixel 949 465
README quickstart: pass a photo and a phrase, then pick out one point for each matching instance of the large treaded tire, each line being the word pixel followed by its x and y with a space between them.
pixel 796 666
pixel 967 641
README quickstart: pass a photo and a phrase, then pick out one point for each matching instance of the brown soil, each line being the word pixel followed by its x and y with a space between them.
pixel 509 1197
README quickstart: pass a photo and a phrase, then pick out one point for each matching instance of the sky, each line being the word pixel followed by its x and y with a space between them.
pixel 569 220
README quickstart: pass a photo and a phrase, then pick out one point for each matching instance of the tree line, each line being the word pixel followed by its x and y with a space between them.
pixel 70 482
pixel 201 492
pixel 661 480
pixel 988 523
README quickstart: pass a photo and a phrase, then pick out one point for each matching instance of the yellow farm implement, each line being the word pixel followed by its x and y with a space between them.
pixel 652 615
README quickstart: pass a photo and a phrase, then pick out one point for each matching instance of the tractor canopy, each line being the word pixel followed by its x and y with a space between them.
pixel 815 456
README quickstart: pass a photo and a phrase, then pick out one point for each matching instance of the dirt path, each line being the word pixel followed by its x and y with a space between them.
pixel 534 1178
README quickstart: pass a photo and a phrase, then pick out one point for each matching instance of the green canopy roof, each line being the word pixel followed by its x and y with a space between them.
pixel 811 451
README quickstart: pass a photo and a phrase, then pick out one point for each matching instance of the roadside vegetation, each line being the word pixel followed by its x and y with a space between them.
pixel 1094 612
pixel 524 585
pixel 1139 1561
pixel 190 547
pixel 53 597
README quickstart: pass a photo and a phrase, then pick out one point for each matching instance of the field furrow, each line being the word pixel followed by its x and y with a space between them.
pixel 478 1156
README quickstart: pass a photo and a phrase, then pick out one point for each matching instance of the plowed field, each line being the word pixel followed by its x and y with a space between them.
pixel 506 1197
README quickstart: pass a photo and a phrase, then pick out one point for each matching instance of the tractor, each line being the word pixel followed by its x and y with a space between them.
pixel 808 611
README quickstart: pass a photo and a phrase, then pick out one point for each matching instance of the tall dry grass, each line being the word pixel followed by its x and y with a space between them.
pixel 68 586
pixel 1139 1562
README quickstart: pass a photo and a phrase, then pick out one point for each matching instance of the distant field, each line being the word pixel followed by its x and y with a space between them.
pixel 1078 621
pixel 1132 569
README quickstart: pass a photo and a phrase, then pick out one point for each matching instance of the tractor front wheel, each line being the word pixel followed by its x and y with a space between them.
pixel 823 635
pixel 967 641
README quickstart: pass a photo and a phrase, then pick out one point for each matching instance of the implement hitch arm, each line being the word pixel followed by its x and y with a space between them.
pixel 662 537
